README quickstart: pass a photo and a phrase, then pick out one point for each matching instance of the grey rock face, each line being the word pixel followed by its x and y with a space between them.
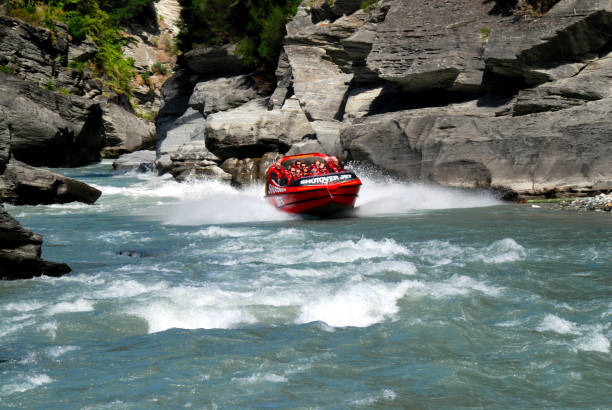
pixel 21 184
pixel 124 131
pixel 5 141
pixel 176 93
pixel 215 60
pixel 591 83
pixel 48 128
pixel 20 252
pixel 534 154
pixel 222 94
pixel 183 151
pixel 141 161
pixel 250 130
pixel 320 65
pixel 32 51
pixel 572 29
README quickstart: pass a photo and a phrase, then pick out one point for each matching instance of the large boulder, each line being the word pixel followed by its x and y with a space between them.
pixel 537 154
pixel 221 94
pixel 50 128
pixel 124 131
pixel 21 184
pixel 250 130
pixel 20 252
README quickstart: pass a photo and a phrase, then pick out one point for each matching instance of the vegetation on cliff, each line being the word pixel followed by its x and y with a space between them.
pixel 257 26
pixel 100 20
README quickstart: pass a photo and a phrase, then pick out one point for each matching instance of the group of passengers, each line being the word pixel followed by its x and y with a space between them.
pixel 299 169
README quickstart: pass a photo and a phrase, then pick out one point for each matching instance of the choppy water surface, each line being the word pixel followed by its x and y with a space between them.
pixel 428 298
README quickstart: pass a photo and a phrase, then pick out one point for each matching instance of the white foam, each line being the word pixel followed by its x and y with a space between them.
pixel 594 342
pixel 79 305
pixel 57 351
pixel 351 251
pixel 7 329
pixel 552 323
pixel 386 394
pixel 216 203
pixel 262 377
pixel 360 304
pixel 381 195
pixel 26 383
pixel 25 306
pixel 505 250
pixel 402 267
pixel 128 289
pixel 462 285
pixel 50 328
pixel 439 253
pixel 193 308
pixel 220 232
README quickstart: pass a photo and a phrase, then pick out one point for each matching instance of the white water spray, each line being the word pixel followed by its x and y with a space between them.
pixel 212 202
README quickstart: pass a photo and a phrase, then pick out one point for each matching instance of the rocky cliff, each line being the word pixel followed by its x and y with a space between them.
pixel 59 115
pixel 453 92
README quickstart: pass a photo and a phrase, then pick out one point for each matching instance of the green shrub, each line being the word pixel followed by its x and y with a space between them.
pixel 368 5
pixel 257 26
pixel 5 69
pixel 97 19
pixel 159 68
pixel 50 85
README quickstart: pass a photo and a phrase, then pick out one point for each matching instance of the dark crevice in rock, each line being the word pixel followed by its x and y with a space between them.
pixel 393 99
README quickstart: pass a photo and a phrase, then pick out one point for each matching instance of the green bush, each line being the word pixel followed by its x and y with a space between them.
pixel 99 20
pixel 160 68
pixel 368 5
pixel 50 85
pixel 257 26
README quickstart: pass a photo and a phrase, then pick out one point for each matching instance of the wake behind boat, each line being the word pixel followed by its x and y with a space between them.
pixel 311 184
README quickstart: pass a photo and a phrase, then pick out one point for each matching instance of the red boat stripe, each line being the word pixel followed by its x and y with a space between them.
pixel 313 199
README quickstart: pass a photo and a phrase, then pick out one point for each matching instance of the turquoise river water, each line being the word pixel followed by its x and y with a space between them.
pixel 427 298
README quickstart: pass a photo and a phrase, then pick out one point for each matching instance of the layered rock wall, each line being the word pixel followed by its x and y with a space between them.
pixel 445 91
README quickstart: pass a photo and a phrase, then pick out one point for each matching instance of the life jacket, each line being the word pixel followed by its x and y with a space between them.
pixel 276 173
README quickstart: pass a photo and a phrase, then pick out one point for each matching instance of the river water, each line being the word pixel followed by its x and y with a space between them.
pixel 428 297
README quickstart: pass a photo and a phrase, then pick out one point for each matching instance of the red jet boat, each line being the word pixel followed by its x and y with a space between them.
pixel 323 194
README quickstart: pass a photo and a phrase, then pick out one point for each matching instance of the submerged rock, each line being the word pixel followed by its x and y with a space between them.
pixel 20 252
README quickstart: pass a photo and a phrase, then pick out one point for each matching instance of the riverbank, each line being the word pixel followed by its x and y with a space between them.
pixel 598 203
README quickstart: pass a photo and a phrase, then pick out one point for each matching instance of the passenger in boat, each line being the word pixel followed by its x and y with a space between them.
pixel 286 177
pixel 276 172
pixel 322 169
pixel 336 165
pixel 306 171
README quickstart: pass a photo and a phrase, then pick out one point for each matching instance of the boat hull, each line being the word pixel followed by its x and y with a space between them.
pixel 317 200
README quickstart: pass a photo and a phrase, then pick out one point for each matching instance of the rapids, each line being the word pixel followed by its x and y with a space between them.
pixel 426 297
